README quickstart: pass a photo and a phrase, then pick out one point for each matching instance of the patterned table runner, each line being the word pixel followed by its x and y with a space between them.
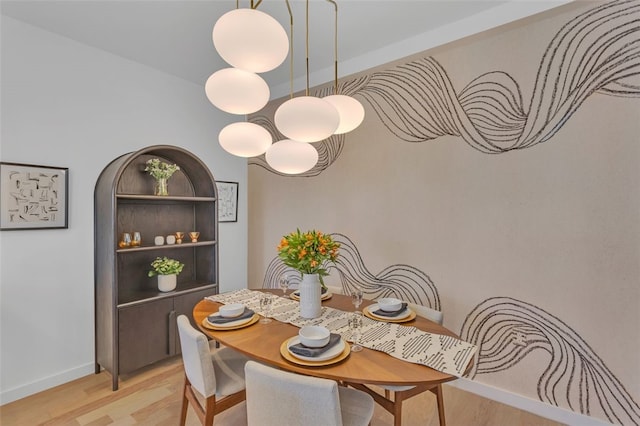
pixel 443 353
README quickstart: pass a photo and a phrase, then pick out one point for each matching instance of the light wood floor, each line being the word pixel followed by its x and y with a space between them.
pixel 152 397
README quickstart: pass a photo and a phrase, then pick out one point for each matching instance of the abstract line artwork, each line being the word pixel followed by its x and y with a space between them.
pixel 506 330
pixel 402 281
pixel 595 52
pixel 33 197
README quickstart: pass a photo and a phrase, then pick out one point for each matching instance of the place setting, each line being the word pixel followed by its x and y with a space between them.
pixel 389 309
pixel 325 294
pixel 231 317
pixel 315 346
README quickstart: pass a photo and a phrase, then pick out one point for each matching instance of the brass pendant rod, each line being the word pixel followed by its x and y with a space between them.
pixel 307 47
pixel 290 50
pixel 335 48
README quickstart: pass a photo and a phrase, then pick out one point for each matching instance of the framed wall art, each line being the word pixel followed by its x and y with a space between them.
pixel 33 197
pixel 227 201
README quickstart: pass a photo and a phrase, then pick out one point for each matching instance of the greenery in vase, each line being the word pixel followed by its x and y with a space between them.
pixel 308 252
pixel 165 266
pixel 159 169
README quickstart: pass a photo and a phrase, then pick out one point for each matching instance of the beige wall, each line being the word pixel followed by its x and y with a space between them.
pixel 544 238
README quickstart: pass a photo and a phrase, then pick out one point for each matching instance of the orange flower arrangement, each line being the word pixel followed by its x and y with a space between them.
pixel 308 252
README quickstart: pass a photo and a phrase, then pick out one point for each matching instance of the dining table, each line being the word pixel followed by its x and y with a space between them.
pixel 263 343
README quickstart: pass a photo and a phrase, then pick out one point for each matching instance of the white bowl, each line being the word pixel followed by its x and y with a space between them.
pixel 389 304
pixel 314 336
pixel 231 310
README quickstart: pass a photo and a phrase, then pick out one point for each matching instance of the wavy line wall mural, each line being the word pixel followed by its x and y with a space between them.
pixel 402 281
pixel 526 244
pixel 507 330
pixel 595 52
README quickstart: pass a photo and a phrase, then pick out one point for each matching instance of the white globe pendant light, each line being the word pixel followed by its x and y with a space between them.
pixel 245 139
pixel 237 91
pixel 250 40
pixel 350 110
pixel 307 119
pixel 291 157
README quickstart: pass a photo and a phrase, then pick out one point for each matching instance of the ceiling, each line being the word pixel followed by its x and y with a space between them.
pixel 174 36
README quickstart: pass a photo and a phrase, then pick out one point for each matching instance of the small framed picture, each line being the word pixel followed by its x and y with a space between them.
pixel 227 201
pixel 33 197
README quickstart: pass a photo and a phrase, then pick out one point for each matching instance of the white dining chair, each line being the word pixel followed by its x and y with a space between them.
pixel 215 373
pixel 277 397
pixel 401 393
pixel 334 289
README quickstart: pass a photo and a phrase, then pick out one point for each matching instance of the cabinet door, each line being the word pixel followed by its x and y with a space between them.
pixel 183 305
pixel 144 333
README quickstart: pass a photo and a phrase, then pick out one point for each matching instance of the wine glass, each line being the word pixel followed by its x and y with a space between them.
pixel 283 283
pixel 356 298
pixel 265 306
pixel 355 325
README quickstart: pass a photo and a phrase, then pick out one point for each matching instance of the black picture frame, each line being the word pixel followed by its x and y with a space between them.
pixel 227 201
pixel 33 197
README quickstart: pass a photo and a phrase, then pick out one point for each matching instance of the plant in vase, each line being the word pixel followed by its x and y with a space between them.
pixel 161 172
pixel 167 271
pixel 309 253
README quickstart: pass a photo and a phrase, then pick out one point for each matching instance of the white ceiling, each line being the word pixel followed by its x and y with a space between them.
pixel 174 36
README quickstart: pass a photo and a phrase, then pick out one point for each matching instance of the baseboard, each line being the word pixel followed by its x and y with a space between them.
pixel 10 395
pixel 539 408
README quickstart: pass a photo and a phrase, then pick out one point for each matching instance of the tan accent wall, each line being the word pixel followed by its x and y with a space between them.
pixel 554 226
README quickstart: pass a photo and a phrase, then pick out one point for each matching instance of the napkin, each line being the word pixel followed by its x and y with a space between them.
pixel 382 313
pixel 217 319
pixel 300 349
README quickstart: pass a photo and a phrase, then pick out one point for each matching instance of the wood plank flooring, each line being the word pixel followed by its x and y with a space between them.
pixel 152 397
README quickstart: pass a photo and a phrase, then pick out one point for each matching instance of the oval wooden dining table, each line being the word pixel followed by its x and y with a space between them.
pixel 262 342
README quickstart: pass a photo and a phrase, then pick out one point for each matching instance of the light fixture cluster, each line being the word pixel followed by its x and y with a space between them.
pixel 254 42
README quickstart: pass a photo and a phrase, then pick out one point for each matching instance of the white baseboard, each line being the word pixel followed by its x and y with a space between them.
pixel 534 406
pixel 10 395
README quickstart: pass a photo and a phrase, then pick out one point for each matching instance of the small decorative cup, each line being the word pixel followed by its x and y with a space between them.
pixel 137 240
pixel 194 236
pixel 171 239
pixel 125 241
pixel 158 240
pixel 179 237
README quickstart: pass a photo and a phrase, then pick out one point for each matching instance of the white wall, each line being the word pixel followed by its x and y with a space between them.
pixel 68 105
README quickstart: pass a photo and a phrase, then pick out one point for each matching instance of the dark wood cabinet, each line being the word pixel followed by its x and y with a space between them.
pixel 135 322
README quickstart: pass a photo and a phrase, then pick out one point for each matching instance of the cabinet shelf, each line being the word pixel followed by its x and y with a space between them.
pixel 166 247
pixel 152 198
pixel 145 296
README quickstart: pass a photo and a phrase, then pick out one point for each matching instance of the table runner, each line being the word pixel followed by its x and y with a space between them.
pixel 443 353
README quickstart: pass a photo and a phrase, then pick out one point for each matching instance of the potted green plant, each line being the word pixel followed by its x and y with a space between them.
pixel 167 271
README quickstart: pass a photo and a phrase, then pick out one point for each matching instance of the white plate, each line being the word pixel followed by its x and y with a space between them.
pixel 230 323
pixel 374 307
pixel 296 295
pixel 331 353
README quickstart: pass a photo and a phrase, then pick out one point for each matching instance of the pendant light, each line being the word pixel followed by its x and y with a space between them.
pixel 244 139
pixel 250 40
pixel 307 118
pixel 237 91
pixel 350 110
pixel 291 157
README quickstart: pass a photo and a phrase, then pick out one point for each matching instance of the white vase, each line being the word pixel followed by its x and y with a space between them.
pixel 167 282
pixel 310 294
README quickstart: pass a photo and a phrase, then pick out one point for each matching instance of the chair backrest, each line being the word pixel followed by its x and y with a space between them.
pixel 196 357
pixel 426 312
pixel 276 397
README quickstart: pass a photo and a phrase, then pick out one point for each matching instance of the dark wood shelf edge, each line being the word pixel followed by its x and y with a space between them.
pixel 148 296
pixel 167 246
pixel 163 198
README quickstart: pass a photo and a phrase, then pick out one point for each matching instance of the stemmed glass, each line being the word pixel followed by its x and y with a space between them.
pixel 355 325
pixel 356 298
pixel 283 283
pixel 265 306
